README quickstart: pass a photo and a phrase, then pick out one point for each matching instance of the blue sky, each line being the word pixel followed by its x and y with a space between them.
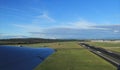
pixel 76 19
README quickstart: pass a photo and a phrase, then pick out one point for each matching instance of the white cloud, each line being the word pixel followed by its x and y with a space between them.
pixel 45 17
pixel 6 36
pixel 70 29
pixel 116 31
pixel 82 24
pixel 29 27
pixel 37 24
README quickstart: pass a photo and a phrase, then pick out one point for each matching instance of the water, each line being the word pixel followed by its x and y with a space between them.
pixel 22 58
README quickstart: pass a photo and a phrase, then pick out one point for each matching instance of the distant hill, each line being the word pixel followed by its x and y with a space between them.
pixel 30 40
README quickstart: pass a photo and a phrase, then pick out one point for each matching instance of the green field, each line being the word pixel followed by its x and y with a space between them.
pixel 113 46
pixel 74 60
pixel 71 56
pixel 105 44
pixel 55 45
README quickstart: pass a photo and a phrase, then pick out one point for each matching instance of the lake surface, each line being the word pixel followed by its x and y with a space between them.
pixel 22 58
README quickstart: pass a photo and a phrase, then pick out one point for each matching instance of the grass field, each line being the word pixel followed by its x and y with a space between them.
pixel 114 46
pixel 74 60
pixel 105 44
pixel 55 45
pixel 70 56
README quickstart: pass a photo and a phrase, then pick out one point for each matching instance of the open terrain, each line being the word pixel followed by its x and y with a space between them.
pixel 71 56
pixel 113 46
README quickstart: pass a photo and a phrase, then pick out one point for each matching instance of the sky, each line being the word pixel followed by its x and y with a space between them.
pixel 61 19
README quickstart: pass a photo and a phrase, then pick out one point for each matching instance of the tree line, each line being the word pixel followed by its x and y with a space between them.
pixel 31 41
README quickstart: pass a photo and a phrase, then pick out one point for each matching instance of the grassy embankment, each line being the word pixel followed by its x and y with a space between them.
pixel 113 46
pixel 72 59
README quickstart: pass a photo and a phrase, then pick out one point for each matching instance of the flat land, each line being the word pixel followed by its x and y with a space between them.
pixel 71 56
pixel 113 46
pixel 55 45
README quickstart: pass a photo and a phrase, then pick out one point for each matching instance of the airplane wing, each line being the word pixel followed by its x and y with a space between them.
pixel 22 58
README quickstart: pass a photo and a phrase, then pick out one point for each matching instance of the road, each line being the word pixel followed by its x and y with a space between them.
pixel 112 57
